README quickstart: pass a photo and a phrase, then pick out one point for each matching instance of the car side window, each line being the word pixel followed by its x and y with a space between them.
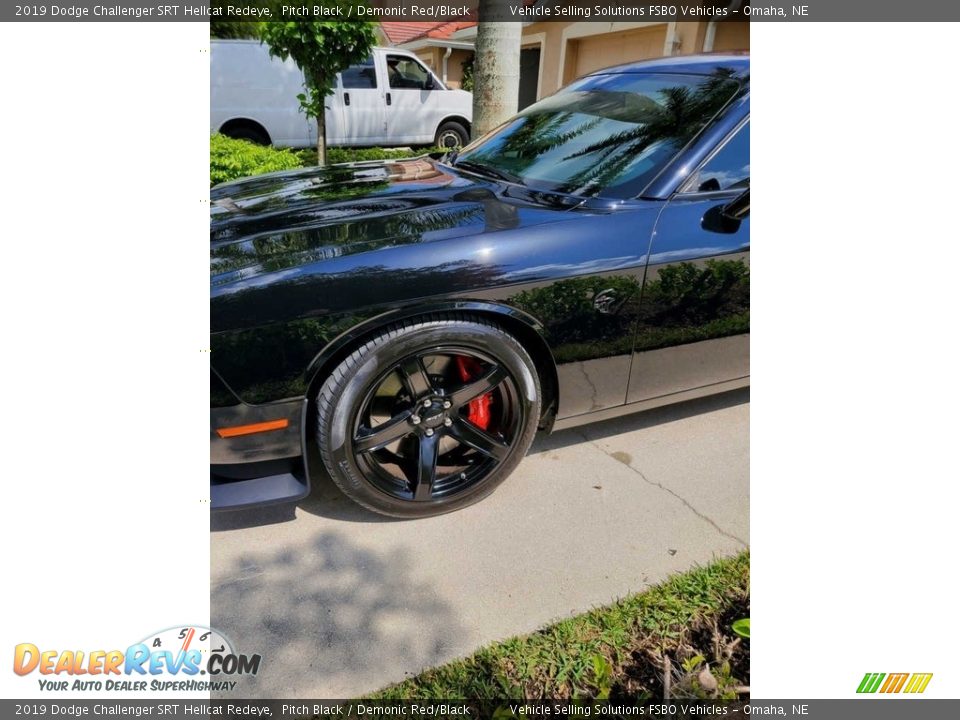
pixel 406 73
pixel 359 77
pixel 728 169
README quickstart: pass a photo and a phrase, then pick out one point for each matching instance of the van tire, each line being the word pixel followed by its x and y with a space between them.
pixel 451 134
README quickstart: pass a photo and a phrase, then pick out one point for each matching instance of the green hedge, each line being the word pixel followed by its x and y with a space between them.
pixel 347 155
pixel 231 159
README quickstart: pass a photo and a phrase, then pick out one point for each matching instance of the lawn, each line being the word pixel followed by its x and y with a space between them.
pixel 674 640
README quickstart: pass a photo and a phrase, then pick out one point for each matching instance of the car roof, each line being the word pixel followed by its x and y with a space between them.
pixel 702 64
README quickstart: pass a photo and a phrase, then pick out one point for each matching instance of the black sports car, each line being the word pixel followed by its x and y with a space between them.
pixel 411 324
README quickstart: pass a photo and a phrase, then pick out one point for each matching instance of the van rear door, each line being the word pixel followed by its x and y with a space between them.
pixel 247 84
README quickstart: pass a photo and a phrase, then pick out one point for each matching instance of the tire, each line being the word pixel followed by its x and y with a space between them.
pixel 429 416
pixel 451 135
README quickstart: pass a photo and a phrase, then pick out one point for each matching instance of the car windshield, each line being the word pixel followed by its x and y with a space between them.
pixel 603 135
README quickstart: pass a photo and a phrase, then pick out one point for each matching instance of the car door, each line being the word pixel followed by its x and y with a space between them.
pixel 362 105
pixel 694 320
pixel 412 99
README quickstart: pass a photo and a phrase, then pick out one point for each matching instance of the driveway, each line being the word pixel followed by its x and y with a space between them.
pixel 340 602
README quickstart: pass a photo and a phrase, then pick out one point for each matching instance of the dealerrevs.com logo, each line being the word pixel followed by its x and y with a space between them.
pixel 184 658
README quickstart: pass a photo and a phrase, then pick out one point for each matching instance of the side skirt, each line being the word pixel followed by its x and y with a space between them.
pixel 620 410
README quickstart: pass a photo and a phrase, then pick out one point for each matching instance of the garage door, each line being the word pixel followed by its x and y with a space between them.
pixel 599 51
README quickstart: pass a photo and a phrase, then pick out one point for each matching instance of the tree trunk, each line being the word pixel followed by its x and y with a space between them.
pixel 321 139
pixel 496 69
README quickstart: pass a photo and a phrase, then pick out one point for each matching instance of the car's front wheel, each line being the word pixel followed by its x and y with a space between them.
pixel 429 416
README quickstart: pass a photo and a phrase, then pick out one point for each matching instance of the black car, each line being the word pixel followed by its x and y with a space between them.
pixel 410 325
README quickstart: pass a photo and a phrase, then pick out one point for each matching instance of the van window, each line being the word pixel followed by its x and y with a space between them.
pixel 359 76
pixel 406 72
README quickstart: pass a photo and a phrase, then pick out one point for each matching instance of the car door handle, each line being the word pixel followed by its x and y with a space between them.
pixel 346 98
pixel 388 99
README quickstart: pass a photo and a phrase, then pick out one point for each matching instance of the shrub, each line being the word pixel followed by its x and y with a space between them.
pixel 231 159
pixel 346 155
pixel 466 82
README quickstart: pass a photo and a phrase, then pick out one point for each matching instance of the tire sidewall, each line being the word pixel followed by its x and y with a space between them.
pixel 453 127
pixel 370 366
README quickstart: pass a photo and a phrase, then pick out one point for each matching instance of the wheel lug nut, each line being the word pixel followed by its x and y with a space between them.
pixel 448 422
pixel 429 432
pixel 415 419
pixel 463 476
pixel 427 403
pixel 446 404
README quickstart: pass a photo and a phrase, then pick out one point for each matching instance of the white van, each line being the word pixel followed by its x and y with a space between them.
pixel 391 99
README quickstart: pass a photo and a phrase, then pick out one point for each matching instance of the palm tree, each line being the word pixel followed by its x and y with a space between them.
pixel 496 77
pixel 679 116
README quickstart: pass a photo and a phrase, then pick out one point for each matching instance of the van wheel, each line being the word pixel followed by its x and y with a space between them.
pixel 452 135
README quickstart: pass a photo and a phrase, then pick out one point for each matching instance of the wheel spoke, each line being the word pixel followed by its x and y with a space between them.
pixel 384 434
pixel 469 434
pixel 415 378
pixel 426 466
pixel 487 382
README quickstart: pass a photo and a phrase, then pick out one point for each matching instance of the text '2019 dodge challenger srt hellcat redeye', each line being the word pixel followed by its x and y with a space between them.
pixel 410 325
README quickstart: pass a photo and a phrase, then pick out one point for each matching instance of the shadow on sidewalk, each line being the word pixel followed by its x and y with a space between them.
pixel 327 617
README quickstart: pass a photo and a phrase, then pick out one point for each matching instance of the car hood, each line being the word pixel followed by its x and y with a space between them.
pixel 271 222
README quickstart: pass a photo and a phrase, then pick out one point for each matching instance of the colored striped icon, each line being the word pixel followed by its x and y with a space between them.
pixel 918 682
pixel 894 682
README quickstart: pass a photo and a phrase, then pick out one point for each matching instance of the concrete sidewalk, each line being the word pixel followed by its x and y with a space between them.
pixel 340 602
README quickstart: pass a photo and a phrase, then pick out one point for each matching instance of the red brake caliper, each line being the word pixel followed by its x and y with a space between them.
pixel 478 411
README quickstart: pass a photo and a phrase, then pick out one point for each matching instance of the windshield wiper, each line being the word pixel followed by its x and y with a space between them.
pixel 489 171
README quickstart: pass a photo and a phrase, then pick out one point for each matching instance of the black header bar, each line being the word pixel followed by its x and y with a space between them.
pixel 505 10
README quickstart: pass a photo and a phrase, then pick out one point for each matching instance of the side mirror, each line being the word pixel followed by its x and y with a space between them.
pixel 738 208
pixel 726 219
pixel 428 84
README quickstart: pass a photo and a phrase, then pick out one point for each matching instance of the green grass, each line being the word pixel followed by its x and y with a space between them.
pixel 574 657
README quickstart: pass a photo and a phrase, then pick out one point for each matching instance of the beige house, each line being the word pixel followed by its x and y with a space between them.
pixel 555 53
pixel 570 50
pixel 435 45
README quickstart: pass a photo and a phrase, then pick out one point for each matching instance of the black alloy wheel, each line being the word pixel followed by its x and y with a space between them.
pixel 429 416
